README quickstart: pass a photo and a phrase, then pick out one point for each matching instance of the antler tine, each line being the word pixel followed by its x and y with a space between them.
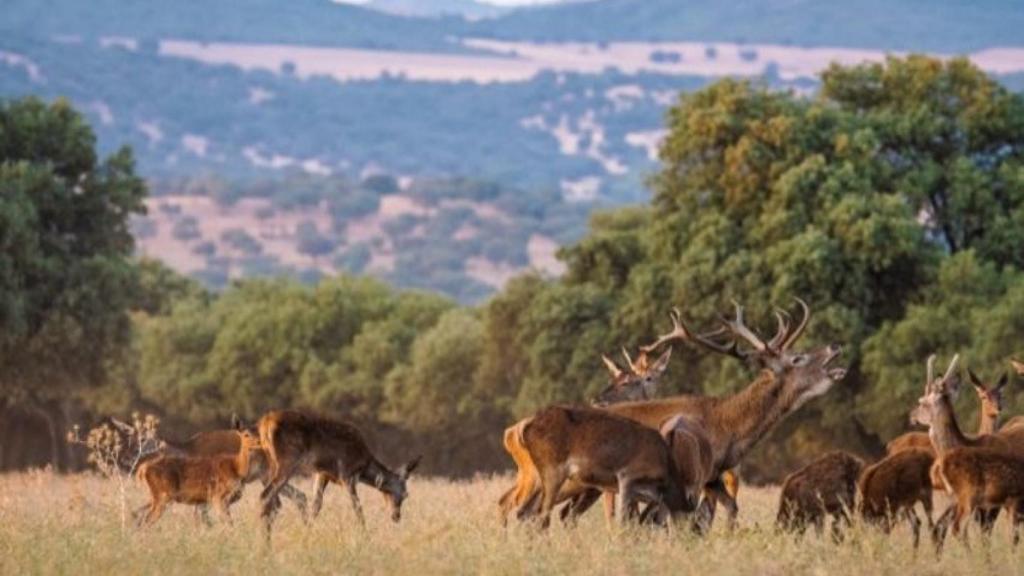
pixel 799 330
pixel 952 366
pixel 931 373
pixel 739 328
pixel 782 317
pixel 679 332
pixel 612 366
pixel 629 361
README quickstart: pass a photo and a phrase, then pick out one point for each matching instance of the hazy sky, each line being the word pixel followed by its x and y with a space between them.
pixel 498 2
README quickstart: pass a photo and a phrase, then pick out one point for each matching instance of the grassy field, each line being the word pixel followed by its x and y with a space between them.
pixel 71 524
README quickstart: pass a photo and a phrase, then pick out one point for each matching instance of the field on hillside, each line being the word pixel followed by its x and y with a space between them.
pixel 70 524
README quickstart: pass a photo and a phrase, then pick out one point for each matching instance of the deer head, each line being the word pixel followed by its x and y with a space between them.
pixel 807 374
pixel 639 381
pixel 991 398
pixel 938 393
pixel 393 486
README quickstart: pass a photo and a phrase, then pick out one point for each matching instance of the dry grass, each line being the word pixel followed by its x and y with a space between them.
pixel 69 524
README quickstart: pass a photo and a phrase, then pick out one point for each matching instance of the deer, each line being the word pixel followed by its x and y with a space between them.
pixel 219 442
pixel 893 486
pixel 596 449
pixel 197 480
pixel 735 424
pixel 336 451
pixel 935 410
pixel 982 481
pixel 988 416
pixel 638 381
pixel 826 486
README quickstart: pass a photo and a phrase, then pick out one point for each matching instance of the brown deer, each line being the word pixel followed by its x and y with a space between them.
pixel 825 487
pixel 335 450
pixel 988 416
pixel 222 442
pixel 787 380
pixel 935 410
pixel 638 381
pixel 204 480
pixel 893 486
pixel 599 450
pixel 983 481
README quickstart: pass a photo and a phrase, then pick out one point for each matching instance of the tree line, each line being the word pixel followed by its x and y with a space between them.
pixel 892 201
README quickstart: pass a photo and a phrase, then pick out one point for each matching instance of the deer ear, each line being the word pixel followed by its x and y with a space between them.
pixel 1002 382
pixel 236 422
pixel 379 482
pixel 661 364
pixel 978 384
pixel 410 467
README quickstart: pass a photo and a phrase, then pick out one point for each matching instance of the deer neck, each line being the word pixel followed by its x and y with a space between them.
pixel 748 416
pixel 945 432
pixel 377 475
pixel 242 461
pixel 987 423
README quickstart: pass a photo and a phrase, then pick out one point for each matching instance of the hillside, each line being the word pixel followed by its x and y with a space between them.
pixel 951 26
pixel 319 22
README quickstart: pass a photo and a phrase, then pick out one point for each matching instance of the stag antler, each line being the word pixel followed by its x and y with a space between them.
pixel 612 366
pixel 931 374
pixel 739 328
pixel 799 330
pixel 680 331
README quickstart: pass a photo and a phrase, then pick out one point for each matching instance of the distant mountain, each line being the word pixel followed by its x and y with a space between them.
pixel 431 8
pixel 318 22
pixel 923 25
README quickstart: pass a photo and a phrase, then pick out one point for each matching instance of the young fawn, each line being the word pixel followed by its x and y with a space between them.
pixel 203 480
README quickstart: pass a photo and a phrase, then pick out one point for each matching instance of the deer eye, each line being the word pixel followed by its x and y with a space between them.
pixel 799 360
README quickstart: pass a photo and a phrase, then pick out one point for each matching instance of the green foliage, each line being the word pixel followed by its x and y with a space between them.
pixel 66 281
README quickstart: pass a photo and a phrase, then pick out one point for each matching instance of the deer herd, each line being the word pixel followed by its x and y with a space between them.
pixel 658 461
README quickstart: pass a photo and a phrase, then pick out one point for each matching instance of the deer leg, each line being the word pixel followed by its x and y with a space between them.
pixel 579 506
pixel 298 498
pixel 626 506
pixel 269 495
pixel 1016 519
pixel 986 520
pixel 963 509
pixel 220 502
pixel 156 510
pixel 915 525
pixel 353 496
pixel 941 527
pixel 318 493
pixel 551 483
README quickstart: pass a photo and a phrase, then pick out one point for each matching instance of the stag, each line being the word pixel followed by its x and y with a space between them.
pixel 335 450
pixel 735 424
pixel 638 381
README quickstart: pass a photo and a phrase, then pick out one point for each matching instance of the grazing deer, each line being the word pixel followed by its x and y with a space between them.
pixel 202 480
pixel 893 486
pixel 988 416
pixel 599 450
pixel 787 380
pixel 335 450
pixel 983 480
pixel 638 381
pixel 826 486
